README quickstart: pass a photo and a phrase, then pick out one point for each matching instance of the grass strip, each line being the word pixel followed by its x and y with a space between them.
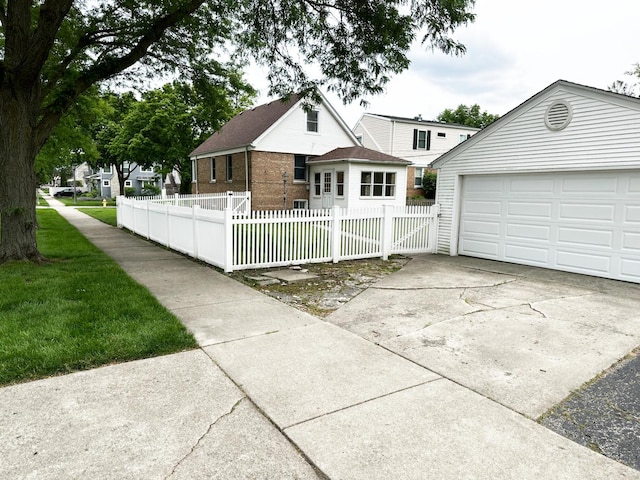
pixel 68 201
pixel 106 215
pixel 77 311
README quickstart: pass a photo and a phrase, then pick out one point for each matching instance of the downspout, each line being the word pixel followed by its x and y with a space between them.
pixel 246 168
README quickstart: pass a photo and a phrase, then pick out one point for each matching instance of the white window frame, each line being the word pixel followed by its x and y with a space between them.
pixel 296 168
pixel 109 171
pixel 340 183
pixel 417 179
pixel 302 204
pixel 128 183
pixel 317 179
pixel 212 167
pixel 313 124
pixel 378 184
pixel 194 171
pixel 106 183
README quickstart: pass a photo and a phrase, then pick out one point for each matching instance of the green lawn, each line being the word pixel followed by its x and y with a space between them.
pixel 106 215
pixel 68 201
pixel 77 311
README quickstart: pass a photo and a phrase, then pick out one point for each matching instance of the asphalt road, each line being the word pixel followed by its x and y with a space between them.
pixel 605 414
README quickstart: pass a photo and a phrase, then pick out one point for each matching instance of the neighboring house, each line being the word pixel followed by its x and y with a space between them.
pixel 413 139
pixel 105 181
pixel 357 177
pixel 554 183
pixel 81 176
pixel 265 150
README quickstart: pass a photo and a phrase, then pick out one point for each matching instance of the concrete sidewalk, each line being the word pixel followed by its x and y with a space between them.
pixel 272 393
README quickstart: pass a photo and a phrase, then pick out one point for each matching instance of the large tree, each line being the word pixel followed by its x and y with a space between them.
pixel 471 116
pixel 54 50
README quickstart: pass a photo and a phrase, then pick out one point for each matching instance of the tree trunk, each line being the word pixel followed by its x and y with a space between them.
pixel 17 176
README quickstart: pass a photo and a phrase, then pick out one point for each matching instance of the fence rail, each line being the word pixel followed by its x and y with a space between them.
pixel 240 202
pixel 263 239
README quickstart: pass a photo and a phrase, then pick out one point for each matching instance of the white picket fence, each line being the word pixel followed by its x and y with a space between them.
pixel 240 202
pixel 278 238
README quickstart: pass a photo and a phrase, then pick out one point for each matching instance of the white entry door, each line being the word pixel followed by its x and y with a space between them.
pixel 578 222
pixel 327 188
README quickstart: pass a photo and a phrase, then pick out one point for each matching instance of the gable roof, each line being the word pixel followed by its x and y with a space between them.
pixel 558 84
pixel 243 129
pixel 358 154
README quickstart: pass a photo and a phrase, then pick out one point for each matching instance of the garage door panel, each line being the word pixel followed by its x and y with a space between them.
pixel 589 184
pixel 587 222
pixel 530 209
pixel 582 212
pixel 585 237
pixel 583 262
pixel 536 186
pixel 630 269
pixel 527 255
pixel 484 208
pixel 483 228
pixel 632 214
pixel 535 232
pixel 631 241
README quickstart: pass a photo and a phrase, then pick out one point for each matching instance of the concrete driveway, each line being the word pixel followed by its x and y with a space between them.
pixel 525 337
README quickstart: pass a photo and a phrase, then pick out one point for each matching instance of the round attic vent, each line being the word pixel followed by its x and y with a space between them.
pixel 558 115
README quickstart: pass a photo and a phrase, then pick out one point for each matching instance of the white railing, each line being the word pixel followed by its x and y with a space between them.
pixel 264 239
pixel 240 202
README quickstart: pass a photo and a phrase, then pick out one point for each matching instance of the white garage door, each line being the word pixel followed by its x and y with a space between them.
pixel 579 222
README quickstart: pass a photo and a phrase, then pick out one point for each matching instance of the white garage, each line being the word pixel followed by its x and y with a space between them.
pixel 555 183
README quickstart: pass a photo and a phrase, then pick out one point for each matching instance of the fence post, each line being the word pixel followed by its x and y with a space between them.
pixel 175 199
pixel 228 203
pixel 168 224
pixel 387 230
pixel 146 207
pixel 194 213
pixel 119 211
pixel 434 224
pixel 228 240
pixel 336 234
pixel 247 203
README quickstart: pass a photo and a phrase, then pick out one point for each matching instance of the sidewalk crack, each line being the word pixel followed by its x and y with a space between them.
pixel 195 445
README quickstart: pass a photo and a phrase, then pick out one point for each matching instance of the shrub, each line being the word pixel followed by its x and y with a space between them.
pixel 129 192
pixel 429 180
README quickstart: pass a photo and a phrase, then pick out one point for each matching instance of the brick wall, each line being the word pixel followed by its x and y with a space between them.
pixel 265 179
pixel 411 190
pixel 267 187
pixel 221 185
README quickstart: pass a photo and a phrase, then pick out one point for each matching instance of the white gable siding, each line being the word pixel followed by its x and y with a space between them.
pixel 604 133
pixel 376 133
pixel 290 134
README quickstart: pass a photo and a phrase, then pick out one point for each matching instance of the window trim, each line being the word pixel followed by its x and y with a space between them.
pixel 212 170
pixel 311 122
pixel 375 185
pixel 340 184
pixel 106 183
pixel 317 182
pixel 297 169
pixel 416 176
pixel 128 183
pixel 303 201
pixel 417 140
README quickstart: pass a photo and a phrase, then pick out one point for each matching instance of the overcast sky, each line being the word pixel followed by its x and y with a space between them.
pixel 515 48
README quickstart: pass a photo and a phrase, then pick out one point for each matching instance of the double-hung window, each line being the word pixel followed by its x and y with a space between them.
pixel 300 168
pixel 312 121
pixel 229 169
pixel 213 169
pixel 421 139
pixel 417 182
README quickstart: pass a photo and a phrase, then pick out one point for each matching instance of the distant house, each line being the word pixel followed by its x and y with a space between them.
pixel 357 177
pixel 414 139
pixel 554 183
pixel 265 150
pixel 137 178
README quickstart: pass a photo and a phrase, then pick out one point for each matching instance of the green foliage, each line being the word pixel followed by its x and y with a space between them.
pixel 78 311
pixel 106 215
pixel 129 192
pixel 429 181
pixel 469 116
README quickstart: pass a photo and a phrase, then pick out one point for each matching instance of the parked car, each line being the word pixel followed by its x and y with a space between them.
pixel 65 192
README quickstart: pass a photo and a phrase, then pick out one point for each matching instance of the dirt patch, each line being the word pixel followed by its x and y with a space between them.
pixel 334 285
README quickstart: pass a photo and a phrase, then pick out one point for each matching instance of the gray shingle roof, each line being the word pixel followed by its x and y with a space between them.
pixel 246 127
pixel 358 153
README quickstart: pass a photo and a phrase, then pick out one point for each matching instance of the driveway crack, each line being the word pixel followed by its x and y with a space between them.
pixel 195 445
pixel 444 288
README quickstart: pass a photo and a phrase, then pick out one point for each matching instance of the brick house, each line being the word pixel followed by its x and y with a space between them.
pixel 265 151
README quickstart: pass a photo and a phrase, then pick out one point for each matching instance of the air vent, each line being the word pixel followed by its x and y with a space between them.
pixel 558 115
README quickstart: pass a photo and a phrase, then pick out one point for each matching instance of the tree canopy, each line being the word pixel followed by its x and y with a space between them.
pixel 471 116
pixel 53 51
